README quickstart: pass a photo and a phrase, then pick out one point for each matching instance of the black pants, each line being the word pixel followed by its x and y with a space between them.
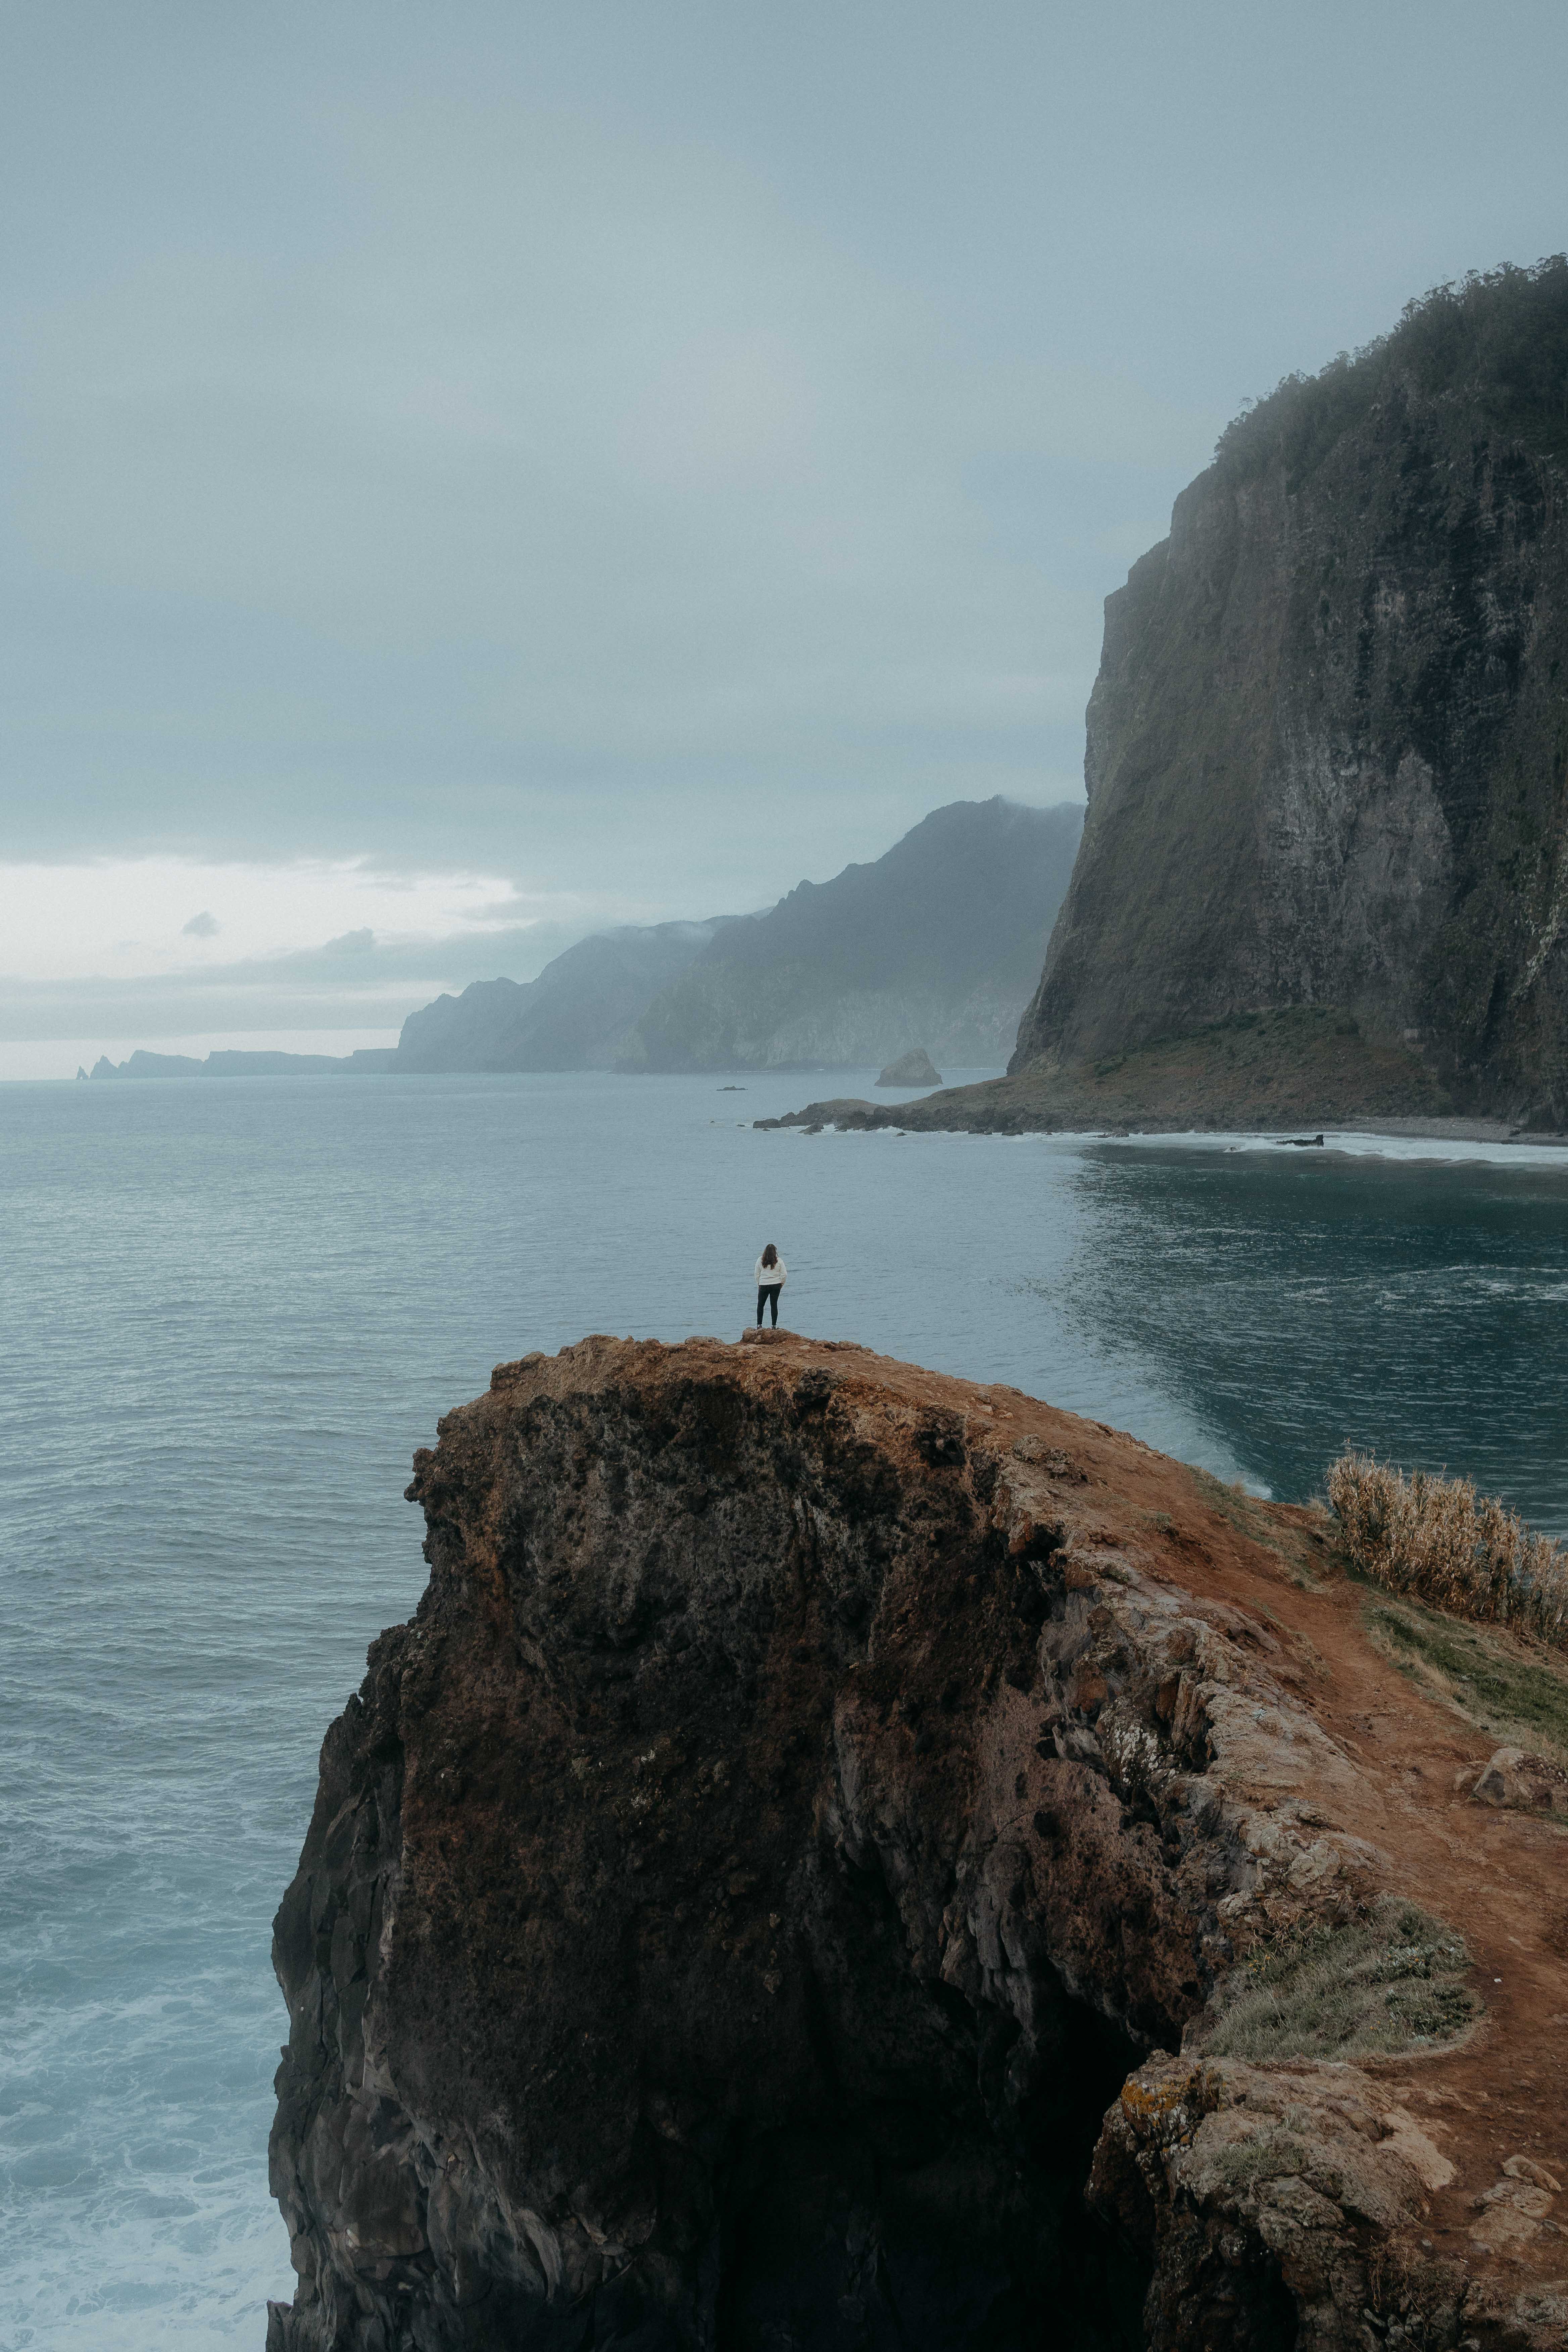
pixel 769 1291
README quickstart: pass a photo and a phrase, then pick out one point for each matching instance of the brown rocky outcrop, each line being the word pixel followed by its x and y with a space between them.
pixel 823 1819
pixel 1514 1778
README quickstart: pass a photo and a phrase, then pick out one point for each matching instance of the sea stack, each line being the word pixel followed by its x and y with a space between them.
pixel 797 1881
pixel 914 1068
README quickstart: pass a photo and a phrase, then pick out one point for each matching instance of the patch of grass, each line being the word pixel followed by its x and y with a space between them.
pixel 1259 1525
pixel 1439 1541
pixel 1392 1981
pixel 1269 2155
pixel 1512 1689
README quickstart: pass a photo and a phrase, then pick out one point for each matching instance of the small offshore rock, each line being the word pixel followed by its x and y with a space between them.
pixel 914 1068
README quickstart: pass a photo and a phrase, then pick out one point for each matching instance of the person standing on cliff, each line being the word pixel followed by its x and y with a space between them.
pixel 772 1276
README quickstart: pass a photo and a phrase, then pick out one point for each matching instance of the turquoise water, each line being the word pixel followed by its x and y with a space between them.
pixel 233 1310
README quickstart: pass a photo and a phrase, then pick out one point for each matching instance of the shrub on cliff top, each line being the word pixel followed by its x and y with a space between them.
pixel 1437 1539
pixel 1388 1982
pixel 1498 336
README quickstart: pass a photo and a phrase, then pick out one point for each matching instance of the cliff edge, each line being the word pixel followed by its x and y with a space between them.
pixel 844 1857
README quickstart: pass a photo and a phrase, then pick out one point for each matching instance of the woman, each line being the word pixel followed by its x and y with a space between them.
pixel 772 1276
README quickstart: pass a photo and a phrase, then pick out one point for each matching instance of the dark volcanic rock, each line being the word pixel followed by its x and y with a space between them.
pixel 914 1068
pixel 733 1902
pixel 1327 758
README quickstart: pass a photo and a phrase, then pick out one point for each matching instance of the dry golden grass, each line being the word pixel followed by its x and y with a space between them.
pixel 1437 1539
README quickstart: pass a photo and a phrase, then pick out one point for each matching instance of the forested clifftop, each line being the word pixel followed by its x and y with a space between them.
pixel 1328 744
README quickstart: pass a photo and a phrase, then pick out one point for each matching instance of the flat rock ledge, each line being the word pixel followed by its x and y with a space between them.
pixel 792 1882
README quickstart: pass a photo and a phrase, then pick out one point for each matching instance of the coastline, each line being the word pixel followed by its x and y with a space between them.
pixel 1484 1136
pixel 1286 1075
pixel 1466 1130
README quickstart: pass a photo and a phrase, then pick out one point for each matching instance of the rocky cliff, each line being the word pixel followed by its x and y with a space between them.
pixel 843 1858
pixel 1327 754
pixel 936 943
pixel 574 1016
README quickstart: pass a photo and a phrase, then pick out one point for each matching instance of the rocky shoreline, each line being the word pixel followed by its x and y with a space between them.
pixel 804 1876
pixel 1300 1068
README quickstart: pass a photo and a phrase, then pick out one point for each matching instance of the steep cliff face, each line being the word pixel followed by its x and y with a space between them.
pixel 938 943
pixel 1327 754
pixel 574 1016
pixel 769 1879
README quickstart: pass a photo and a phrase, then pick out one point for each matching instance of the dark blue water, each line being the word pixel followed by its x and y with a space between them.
pixel 230 1312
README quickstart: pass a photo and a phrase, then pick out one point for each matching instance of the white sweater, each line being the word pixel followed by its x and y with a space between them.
pixel 769 1275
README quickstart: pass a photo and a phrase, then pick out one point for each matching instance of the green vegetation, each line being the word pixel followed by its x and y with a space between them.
pixel 1286 1538
pixel 1437 1539
pixel 1389 1982
pixel 1269 2155
pixel 1501 337
pixel 1495 1681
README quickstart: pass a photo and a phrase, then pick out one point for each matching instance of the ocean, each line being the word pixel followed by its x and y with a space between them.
pixel 233 1308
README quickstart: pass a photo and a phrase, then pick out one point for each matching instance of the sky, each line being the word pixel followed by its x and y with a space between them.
pixel 471 476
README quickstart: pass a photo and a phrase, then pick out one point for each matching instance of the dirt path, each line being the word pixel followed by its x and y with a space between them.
pixel 1499 1878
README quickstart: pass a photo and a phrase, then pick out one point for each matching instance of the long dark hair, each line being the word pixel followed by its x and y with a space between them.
pixel 770 1256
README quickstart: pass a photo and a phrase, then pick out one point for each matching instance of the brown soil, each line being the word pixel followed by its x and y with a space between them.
pixel 1501 1879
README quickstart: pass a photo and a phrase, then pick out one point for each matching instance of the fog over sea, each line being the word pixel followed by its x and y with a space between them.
pixel 231 1311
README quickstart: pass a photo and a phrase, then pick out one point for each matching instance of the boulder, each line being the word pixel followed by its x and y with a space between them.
pixel 1522 1782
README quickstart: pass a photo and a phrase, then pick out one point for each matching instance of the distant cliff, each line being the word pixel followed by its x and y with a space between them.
pixel 574 1016
pixel 1327 754
pixel 937 943
pixel 232 1063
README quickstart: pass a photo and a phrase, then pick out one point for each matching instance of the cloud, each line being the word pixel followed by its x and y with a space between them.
pixel 569 487
pixel 66 921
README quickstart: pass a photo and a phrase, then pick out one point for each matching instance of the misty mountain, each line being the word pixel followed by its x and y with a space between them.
pixel 938 943
pixel 574 1016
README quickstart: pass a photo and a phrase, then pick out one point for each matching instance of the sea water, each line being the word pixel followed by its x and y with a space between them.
pixel 231 1310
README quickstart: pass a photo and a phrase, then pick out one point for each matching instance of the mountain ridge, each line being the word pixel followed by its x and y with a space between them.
pixel 930 944
pixel 937 943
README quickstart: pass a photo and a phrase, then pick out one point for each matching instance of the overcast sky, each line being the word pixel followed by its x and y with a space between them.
pixel 474 473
